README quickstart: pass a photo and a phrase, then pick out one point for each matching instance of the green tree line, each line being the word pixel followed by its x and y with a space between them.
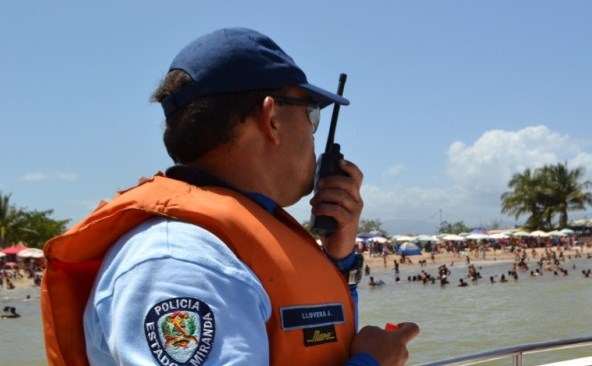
pixel 32 228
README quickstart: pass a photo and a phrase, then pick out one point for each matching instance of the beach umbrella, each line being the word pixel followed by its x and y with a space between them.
pixel 521 233
pixel 409 249
pixel 477 236
pixel 379 239
pixel 404 238
pixel 540 234
pixel 30 253
pixel 567 231
pixel 426 238
pixel 499 236
pixel 452 237
pixel 15 249
pixel 557 233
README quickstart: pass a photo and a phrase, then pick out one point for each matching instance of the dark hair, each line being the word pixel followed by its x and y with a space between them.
pixel 207 121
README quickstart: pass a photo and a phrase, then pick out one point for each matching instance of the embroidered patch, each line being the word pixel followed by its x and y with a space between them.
pixel 319 335
pixel 298 317
pixel 180 331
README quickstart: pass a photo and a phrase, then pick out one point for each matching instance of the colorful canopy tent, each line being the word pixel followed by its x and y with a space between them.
pixel 409 249
pixel 13 250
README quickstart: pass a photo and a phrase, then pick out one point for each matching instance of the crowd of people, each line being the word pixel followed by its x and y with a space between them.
pixel 527 258
pixel 11 277
pixel 27 269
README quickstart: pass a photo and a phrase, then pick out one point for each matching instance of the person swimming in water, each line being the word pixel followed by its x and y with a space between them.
pixel 375 283
pixel 10 313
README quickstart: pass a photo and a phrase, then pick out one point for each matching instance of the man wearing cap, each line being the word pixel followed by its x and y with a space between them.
pixel 201 265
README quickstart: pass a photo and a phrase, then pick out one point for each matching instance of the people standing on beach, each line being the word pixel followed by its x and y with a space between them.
pixel 201 264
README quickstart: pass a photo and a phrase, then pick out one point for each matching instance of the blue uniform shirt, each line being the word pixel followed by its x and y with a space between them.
pixel 167 259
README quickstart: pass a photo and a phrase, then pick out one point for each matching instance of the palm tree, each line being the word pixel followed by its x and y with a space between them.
pixel 524 198
pixel 565 191
pixel 8 218
pixel 31 227
pixel 548 191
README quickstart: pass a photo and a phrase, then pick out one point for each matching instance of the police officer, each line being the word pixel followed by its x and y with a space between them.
pixel 201 265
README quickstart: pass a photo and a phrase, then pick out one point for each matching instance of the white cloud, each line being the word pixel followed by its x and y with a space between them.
pixel 66 176
pixel 394 170
pixel 488 164
pixel 35 177
pixel 583 160
pixel 39 177
pixel 478 174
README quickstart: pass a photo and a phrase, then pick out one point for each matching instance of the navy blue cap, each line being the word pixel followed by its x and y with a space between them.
pixel 234 60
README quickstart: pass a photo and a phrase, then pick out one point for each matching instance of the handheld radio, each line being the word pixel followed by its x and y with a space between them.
pixel 327 166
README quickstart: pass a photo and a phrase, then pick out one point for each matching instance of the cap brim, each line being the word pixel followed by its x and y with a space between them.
pixel 323 97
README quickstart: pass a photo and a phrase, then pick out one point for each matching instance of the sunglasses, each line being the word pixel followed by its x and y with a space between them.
pixel 314 109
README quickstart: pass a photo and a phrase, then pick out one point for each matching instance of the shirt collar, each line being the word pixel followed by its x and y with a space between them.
pixel 200 178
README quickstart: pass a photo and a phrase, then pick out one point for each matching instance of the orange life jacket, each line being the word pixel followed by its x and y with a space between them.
pixel 293 270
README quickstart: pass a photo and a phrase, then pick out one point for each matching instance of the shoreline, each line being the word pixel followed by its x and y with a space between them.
pixel 20 283
pixel 377 262
pixel 475 257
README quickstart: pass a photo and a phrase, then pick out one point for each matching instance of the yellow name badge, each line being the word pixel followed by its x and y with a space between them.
pixel 320 335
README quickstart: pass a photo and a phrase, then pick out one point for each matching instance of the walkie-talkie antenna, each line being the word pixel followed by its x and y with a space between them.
pixel 327 166
pixel 335 115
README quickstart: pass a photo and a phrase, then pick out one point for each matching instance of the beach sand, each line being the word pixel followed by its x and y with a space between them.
pixel 448 258
pixel 21 282
pixel 440 258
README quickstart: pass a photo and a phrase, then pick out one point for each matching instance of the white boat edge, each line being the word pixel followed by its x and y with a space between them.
pixel 584 361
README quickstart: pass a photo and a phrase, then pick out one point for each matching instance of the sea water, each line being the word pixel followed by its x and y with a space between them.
pixel 454 320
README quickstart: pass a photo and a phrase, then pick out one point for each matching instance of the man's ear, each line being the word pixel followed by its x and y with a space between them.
pixel 269 120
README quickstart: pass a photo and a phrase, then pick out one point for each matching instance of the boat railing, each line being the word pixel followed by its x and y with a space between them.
pixel 515 352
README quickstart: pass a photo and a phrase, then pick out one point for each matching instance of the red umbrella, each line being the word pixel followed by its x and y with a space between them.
pixel 15 249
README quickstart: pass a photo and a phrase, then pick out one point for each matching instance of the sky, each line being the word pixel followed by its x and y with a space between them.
pixel 449 99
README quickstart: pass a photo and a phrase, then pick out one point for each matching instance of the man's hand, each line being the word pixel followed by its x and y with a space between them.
pixel 339 197
pixel 389 348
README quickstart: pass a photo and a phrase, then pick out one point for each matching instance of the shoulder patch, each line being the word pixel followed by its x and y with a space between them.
pixel 180 331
